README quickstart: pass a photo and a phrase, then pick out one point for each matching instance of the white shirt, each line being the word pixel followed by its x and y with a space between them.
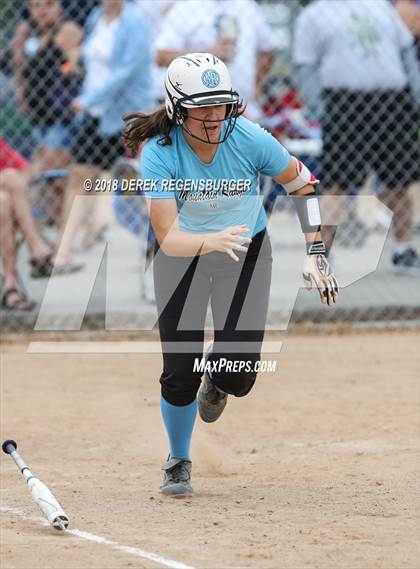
pixel 356 43
pixel 193 25
pixel 155 11
pixel 97 57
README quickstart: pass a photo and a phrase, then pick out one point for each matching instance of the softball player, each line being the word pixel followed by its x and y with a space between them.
pixel 204 159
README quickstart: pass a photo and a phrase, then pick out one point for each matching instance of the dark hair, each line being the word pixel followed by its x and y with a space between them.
pixel 140 127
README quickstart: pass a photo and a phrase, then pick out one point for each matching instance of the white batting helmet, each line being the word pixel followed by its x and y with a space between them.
pixel 199 80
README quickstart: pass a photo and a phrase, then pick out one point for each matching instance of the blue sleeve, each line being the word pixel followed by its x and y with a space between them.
pixel 156 171
pixel 135 57
pixel 271 157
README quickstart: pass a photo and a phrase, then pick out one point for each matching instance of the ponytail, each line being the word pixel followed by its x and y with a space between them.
pixel 140 127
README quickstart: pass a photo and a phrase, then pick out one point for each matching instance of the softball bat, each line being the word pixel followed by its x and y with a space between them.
pixel 42 495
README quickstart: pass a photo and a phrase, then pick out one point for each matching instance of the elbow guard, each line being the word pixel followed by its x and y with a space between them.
pixel 303 178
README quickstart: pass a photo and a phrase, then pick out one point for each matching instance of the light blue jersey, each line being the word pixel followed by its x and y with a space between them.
pixel 211 197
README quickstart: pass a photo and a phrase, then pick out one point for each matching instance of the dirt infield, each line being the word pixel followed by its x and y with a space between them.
pixel 317 468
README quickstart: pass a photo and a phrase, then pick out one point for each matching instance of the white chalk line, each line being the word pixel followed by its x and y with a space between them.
pixel 136 551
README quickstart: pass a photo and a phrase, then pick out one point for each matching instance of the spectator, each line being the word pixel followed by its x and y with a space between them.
pixel 75 10
pixel 409 11
pixel 117 58
pixel 45 55
pixel 131 212
pixel 356 69
pixel 9 158
pixel 155 12
pixel 15 214
pixel 236 32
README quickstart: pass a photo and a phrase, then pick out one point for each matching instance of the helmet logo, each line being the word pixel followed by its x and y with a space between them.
pixel 210 78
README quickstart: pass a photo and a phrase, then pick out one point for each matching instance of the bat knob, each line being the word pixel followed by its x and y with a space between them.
pixel 6 444
pixel 60 523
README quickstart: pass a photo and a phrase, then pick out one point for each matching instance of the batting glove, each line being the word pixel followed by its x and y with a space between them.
pixel 317 274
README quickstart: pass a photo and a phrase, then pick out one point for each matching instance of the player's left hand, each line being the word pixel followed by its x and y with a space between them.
pixel 317 274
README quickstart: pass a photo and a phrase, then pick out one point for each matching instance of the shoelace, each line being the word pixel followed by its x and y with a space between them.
pixel 179 473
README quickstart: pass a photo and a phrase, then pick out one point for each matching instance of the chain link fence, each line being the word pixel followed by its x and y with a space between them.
pixel 336 81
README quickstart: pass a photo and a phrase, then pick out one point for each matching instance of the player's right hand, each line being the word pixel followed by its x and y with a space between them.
pixel 229 240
